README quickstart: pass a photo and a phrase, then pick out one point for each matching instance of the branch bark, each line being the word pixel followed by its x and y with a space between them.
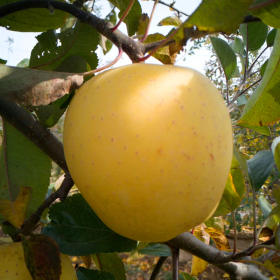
pixel 132 48
pixel 23 121
pixel 236 270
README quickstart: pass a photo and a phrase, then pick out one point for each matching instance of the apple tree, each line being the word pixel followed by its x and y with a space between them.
pixel 50 219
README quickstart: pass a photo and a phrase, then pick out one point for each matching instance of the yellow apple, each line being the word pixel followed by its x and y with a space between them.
pixel 13 267
pixel 150 148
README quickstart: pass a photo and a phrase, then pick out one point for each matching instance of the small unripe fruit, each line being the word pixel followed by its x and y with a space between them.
pixel 149 148
pixel 13 267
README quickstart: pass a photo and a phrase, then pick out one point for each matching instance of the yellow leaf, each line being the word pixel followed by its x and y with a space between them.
pixel 219 238
pixel 199 265
pixel 86 260
pixel 15 211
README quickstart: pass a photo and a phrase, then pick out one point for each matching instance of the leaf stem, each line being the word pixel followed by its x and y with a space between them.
pixel 123 16
pixel 149 23
pixel 262 5
pixel 90 73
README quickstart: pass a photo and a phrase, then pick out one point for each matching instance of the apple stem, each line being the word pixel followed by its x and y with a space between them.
pixel 90 73
pixel 149 23
pixel 123 16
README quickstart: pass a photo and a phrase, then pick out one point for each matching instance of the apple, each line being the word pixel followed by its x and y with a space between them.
pixel 150 148
pixel 13 267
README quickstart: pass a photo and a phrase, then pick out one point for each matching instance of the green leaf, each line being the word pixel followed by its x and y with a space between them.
pixel 174 21
pixel 110 262
pixel 241 100
pixel 2 61
pixel 242 160
pixel 186 276
pixel 265 130
pixel 237 46
pixel 226 56
pixel 269 14
pixel 265 206
pixel 32 20
pixel 276 194
pixel 22 164
pixel 233 193
pixel 53 48
pixel 254 34
pixel 231 14
pixel 49 115
pixel 163 54
pixel 215 222
pixel 273 266
pixel 275 147
pixel 79 232
pixel 271 37
pixel 263 68
pixel 24 63
pixel 132 19
pixel 156 249
pixel 90 274
pixel 263 107
pixel 275 212
pixel 259 167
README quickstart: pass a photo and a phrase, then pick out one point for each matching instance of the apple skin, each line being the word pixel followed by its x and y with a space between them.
pixel 150 148
pixel 13 267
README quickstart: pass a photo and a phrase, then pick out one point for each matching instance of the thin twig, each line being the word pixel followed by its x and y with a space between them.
pixel 172 7
pixel 157 268
pixel 251 67
pixel 61 193
pixel 242 92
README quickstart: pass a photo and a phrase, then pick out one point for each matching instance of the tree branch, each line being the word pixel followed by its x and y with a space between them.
pixel 191 244
pixel 61 193
pixel 132 48
pixel 23 121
